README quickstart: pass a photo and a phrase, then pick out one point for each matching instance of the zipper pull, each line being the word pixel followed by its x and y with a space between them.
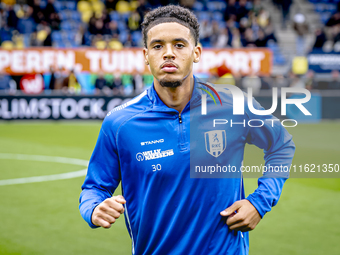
pixel 180 118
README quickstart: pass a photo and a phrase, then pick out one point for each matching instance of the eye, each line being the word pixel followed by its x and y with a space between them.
pixel 179 45
pixel 157 47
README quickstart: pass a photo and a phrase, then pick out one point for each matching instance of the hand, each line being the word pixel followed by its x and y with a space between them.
pixel 246 217
pixel 108 211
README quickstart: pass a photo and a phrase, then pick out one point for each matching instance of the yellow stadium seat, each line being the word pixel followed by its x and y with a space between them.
pixel 115 45
pixel 86 16
pixel 41 35
pixel 9 2
pixel 20 45
pixel 300 65
pixel 100 45
pixel 123 7
pixel 7 45
pixel 20 13
pixel 83 6
pixel 134 5
pixel 98 6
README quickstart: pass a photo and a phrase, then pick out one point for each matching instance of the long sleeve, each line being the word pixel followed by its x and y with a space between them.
pixel 279 149
pixel 103 175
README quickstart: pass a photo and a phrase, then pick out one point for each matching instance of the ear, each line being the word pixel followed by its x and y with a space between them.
pixel 197 53
pixel 146 56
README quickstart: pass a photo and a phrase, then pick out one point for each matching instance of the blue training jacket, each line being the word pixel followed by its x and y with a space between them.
pixel 152 150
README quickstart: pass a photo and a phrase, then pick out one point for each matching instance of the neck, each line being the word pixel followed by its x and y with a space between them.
pixel 176 98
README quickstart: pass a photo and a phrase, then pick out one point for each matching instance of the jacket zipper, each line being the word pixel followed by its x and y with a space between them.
pixel 182 140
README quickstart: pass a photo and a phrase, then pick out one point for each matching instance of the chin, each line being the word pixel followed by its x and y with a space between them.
pixel 170 83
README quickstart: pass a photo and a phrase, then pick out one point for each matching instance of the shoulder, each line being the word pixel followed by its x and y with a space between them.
pixel 226 93
pixel 118 115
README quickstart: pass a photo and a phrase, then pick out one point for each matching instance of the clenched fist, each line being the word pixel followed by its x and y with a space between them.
pixel 108 211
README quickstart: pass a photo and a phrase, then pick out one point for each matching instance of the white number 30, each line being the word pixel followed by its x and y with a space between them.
pixel 156 167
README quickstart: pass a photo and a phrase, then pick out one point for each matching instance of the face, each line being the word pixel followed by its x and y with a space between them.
pixel 171 52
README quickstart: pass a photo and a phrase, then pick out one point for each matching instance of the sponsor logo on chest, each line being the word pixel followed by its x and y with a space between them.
pixel 154 154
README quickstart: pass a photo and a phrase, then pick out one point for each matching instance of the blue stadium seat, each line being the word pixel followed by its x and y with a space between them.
pixel 124 16
pixel 319 7
pixel 123 36
pixel 121 25
pixel 58 5
pixel 71 35
pixel 325 16
pixel 75 15
pixel 203 16
pixel 215 6
pixel 66 26
pixel 279 59
pixel 71 5
pixel 218 16
pixel 56 36
pixel 5 35
pixel 136 36
pixel 198 6
pixel 43 4
pixel 114 15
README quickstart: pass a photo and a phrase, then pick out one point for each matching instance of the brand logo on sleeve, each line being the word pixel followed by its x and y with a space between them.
pixel 154 154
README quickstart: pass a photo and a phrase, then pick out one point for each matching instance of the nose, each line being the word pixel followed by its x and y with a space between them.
pixel 169 54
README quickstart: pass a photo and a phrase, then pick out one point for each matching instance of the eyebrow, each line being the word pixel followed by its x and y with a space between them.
pixel 174 40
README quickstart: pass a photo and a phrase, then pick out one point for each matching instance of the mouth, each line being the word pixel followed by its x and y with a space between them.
pixel 169 67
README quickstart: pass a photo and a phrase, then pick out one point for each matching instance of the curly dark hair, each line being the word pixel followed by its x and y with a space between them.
pixel 170 13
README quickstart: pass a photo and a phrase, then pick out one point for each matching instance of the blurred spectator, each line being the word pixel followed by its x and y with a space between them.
pixel 335 83
pixel 38 14
pixel 216 31
pixel 231 10
pixel 4 82
pixel 117 86
pixel 73 84
pixel 52 16
pixel 205 33
pixel 310 81
pixel 12 19
pixel 263 18
pixel 222 39
pixel 134 21
pixel 113 29
pixel 61 79
pixel 301 30
pixel 320 39
pixel 27 25
pixel 243 25
pixel 142 9
pixel 285 7
pixel 101 85
pixel 334 19
pixel 270 32
pixel 129 42
pixel 248 40
pixel 52 81
pixel 242 10
pixel 236 38
pixel 261 40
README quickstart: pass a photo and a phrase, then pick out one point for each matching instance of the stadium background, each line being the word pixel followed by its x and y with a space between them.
pixel 46 74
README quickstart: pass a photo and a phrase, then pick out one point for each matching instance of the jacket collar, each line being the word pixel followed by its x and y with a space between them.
pixel 159 105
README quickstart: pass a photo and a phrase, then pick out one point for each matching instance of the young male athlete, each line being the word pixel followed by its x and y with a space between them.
pixel 145 145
